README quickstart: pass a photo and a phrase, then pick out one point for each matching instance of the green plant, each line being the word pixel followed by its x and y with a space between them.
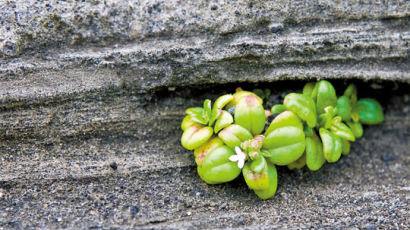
pixel 311 128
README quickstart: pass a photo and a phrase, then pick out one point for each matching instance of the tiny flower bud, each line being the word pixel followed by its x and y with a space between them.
pixel 255 155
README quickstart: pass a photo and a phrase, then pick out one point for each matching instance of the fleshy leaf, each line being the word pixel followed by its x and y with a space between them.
pixel 303 106
pixel 341 130
pixel 332 145
pixel 218 105
pixel 195 136
pixel 259 92
pixel 201 152
pixel 258 164
pixel 351 93
pixel 223 121
pixel 196 114
pixel 287 118
pixel 344 108
pixel 201 175
pixel 239 95
pixel 249 113
pixel 207 110
pixel 217 168
pixel 308 89
pixel 298 164
pixel 326 96
pixel 356 128
pixel 234 135
pixel 284 145
pixel 186 123
pixel 273 184
pixel 346 147
pixel 314 153
pixel 278 108
pixel 256 180
pixel 370 111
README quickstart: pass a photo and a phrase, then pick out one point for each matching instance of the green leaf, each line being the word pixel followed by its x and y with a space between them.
pixel 207 110
pixel 325 120
pixel 284 145
pixel 273 184
pixel 256 180
pixel 201 152
pixel 201 175
pixel 259 92
pixel 344 108
pixel 287 118
pixel 218 105
pixel 314 92
pixel 239 95
pixel 217 168
pixel 223 121
pixel 314 153
pixel 186 123
pixel 278 108
pixel 346 147
pixel 194 110
pixel 258 165
pixel 234 135
pixel 326 96
pixel 341 130
pixel 308 131
pixel 303 106
pixel 351 93
pixel 370 111
pixel 332 111
pixel 332 145
pixel 267 93
pixel 195 136
pixel 298 164
pixel 249 113
pixel 308 89
pixel 196 114
pixel 356 128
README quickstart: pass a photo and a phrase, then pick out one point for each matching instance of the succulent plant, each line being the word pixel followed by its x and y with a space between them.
pixel 311 128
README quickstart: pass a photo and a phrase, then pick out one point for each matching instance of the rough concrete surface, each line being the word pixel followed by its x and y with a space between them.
pixel 92 94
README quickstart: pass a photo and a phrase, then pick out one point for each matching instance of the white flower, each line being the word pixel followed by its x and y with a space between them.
pixel 239 157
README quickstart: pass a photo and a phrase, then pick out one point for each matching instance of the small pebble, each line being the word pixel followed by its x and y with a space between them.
pixel 222 206
pixel 134 210
pixel 275 27
pixel 240 221
pixel 232 110
pixel 387 158
pixel 114 165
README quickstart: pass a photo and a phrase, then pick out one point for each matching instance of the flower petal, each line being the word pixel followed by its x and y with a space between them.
pixel 234 158
pixel 242 156
pixel 238 150
pixel 241 164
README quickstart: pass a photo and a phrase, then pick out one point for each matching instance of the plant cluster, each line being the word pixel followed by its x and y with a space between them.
pixel 230 137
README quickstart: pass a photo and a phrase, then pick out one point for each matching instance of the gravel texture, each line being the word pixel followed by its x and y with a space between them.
pixel 114 161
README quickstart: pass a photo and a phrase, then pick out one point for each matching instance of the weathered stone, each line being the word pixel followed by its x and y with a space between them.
pixel 153 44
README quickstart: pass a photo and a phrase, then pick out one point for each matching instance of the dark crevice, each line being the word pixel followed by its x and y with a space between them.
pixel 157 101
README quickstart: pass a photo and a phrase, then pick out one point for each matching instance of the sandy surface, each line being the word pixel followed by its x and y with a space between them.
pixel 116 161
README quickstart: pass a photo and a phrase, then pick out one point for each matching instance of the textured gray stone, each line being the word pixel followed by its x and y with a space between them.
pixel 154 44
pixel 92 94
